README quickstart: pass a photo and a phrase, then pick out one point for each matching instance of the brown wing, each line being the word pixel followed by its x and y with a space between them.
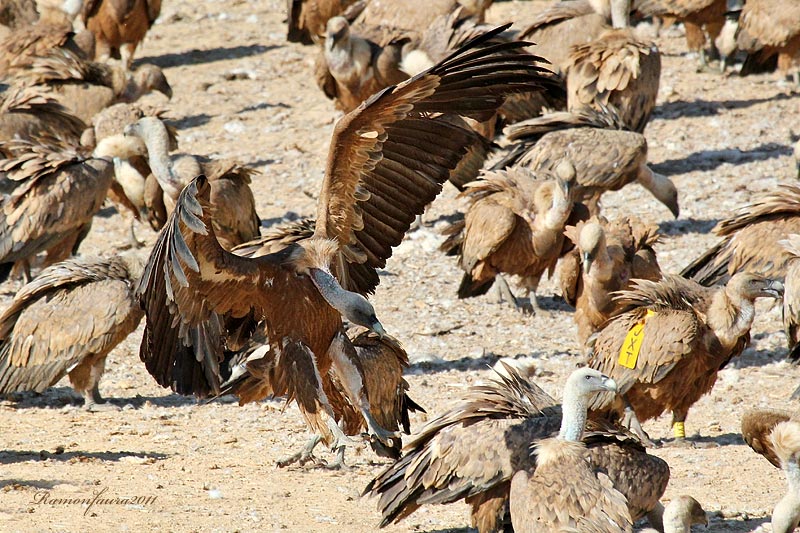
pixel 389 158
pixel 757 425
pixel 469 449
pixel 791 296
pixel 768 23
pixel 677 8
pixel 235 217
pixel 72 310
pixel 569 276
pixel 189 281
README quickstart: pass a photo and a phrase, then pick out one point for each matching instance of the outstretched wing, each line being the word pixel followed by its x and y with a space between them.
pixel 188 283
pixel 389 157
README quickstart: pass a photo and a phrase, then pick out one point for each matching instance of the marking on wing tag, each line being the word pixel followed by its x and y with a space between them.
pixel 629 353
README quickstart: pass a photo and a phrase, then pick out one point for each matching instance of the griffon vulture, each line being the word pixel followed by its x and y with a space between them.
pixel 119 25
pixel 388 160
pixel 57 192
pixel 668 345
pixel 699 17
pixel 617 69
pixel 235 219
pixel 775 435
pixel 24 44
pixel 566 489
pixel 66 321
pixel 85 87
pixel 306 19
pixel 18 13
pixel 680 515
pixel 768 28
pixel 606 156
pixel 606 257
pixel 472 451
pixel 514 225
pixel 750 239
pixel 791 300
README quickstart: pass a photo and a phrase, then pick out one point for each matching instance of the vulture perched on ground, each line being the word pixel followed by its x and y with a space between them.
pixel 119 25
pixel 775 435
pixel 85 87
pixel 307 19
pixel 666 348
pixel 66 321
pixel 382 170
pixel 472 451
pixel 617 69
pixel 514 225
pixel 791 300
pixel 235 219
pixel 769 28
pixel 565 488
pixel 699 17
pixel 56 193
pixel 24 44
pixel 606 156
pixel 750 239
pixel 606 257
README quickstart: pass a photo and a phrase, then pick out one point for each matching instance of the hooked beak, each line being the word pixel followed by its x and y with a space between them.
pixel 566 187
pixel 586 262
pixel 674 208
pixel 337 36
pixel 774 289
pixel 610 385
pixel 164 88
pixel 377 327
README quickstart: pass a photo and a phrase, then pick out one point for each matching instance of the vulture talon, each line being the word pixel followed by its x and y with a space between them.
pixel 303 456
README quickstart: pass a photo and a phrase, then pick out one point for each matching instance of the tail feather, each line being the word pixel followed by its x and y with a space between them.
pixel 470 288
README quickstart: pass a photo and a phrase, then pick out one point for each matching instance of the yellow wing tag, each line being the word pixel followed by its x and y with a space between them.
pixel 629 353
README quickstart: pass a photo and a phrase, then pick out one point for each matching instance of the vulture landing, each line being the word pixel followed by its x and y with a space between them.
pixel 66 321
pixel 686 333
pixel 775 434
pixel 566 490
pixel 472 451
pixel 383 169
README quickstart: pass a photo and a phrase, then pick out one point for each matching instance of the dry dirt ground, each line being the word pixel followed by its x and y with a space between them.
pixel 241 91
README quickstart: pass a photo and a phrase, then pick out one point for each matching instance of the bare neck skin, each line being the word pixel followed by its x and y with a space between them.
pixel 786 515
pixel 157 141
pixel 730 316
pixel 573 416
pixel 559 211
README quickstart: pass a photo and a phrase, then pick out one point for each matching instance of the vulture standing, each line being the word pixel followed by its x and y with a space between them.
pixel 751 240
pixel 472 451
pixel 666 348
pixel 383 169
pixel 791 301
pixel 606 156
pixel 775 434
pixel 235 219
pixel 514 225
pixel 606 257
pixel 769 28
pixel 699 17
pixel 85 87
pixel 616 68
pixel 57 192
pixel 119 25
pixel 566 489
pixel 67 321
pixel 307 18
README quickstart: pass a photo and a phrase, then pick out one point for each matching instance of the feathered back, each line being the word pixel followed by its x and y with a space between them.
pixel 784 201
pixel 671 292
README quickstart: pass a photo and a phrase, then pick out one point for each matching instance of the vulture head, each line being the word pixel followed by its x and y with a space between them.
pixel 579 389
pixel 354 307
pixel 151 78
pixel 591 241
pixel 749 286
pixel 337 30
pixel 566 177
pixel 682 513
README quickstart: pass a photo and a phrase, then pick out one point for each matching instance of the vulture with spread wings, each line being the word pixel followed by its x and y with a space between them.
pixel 388 159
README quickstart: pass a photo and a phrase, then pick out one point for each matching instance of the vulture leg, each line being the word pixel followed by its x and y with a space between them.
pixel 303 456
pixel 505 295
pixel 631 421
pixel 346 365
pixel 126 51
pixel 85 378
pixel 135 243
pixel 417 224
pixel 679 431
pixel 26 271
pixel 338 463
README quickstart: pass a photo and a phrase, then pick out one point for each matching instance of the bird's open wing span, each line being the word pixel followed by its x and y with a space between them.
pixel 188 283
pixel 389 157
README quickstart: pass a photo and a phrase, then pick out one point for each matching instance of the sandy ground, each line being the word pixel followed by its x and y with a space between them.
pixel 241 91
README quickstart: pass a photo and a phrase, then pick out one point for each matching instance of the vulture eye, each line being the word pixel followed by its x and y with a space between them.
pixel 588 378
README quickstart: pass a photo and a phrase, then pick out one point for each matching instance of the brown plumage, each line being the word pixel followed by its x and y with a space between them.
pixel 605 155
pixel 85 87
pixel 371 194
pixel 24 44
pixel 768 28
pixel 56 194
pixel 775 435
pixel 67 321
pixel 514 224
pixel 615 69
pixel 18 13
pixel 606 257
pixel 700 17
pixel 750 239
pixel 473 450
pixel 690 332
pixel 307 18
pixel 791 300
pixel 119 25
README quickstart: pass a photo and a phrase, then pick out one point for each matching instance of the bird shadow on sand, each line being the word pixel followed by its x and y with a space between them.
pixel 38 484
pixel 192 121
pixel 706 108
pixel 197 57
pixel 685 226
pixel 432 365
pixel 20 456
pixel 752 358
pixel 732 525
pixel 263 105
pixel 65 397
pixel 711 159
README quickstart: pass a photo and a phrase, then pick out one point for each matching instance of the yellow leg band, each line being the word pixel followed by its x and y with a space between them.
pixel 679 430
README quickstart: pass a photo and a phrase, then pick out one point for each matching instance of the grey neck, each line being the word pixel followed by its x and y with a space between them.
pixel 333 293
pixel 786 515
pixel 573 416
pixel 157 143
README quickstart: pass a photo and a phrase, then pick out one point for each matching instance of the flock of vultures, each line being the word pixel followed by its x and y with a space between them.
pixel 532 136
